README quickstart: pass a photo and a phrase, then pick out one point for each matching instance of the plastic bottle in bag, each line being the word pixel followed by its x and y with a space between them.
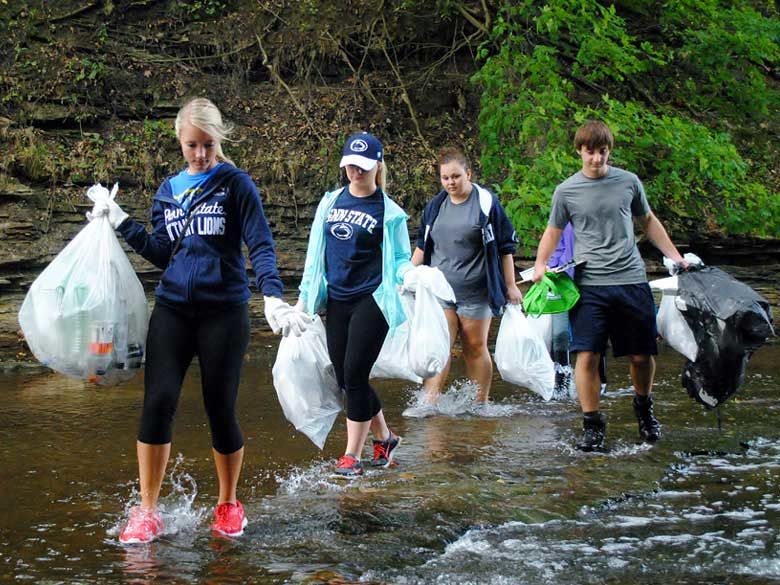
pixel 135 345
pixel 76 338
pixel 79 343
pixel 135 353
pixel 121 337
pixel 126 354
pixel 101 350
pixel 76 326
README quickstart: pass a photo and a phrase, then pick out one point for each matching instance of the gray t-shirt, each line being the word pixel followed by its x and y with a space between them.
pixel 601 212
pixel 457 247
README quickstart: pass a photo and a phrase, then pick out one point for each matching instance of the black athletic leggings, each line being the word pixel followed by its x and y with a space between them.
pixel 219 339
pixel 355 331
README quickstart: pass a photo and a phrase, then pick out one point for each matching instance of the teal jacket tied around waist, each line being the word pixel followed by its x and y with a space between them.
pixel 396 255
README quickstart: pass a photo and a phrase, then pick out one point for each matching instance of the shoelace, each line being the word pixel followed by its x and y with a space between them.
pixel 141 520
pixel 346 461
pixel 135 523
pixel 223 511
pixel 381 450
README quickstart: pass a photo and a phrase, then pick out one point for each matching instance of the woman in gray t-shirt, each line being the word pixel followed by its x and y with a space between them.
pixel 467 235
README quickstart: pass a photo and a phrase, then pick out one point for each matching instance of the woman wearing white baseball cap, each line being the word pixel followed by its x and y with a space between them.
pixel 358 253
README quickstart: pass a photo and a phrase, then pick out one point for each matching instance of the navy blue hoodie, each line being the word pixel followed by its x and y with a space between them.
pixel 498 238
pixel 209 266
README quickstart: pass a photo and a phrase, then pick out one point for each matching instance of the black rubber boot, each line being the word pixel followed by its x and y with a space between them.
pixel 594 428
pixel 649 427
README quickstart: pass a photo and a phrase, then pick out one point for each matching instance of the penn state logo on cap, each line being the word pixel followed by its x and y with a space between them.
pixel 358 145
pixel 363 150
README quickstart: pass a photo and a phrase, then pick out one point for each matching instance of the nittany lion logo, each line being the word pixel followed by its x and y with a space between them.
pixel 358 145
pixel 341 231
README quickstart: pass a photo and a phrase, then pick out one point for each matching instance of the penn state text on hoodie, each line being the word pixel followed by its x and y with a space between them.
pixel 209 265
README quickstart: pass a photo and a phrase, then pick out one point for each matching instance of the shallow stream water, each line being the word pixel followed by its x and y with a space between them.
pixel 489 496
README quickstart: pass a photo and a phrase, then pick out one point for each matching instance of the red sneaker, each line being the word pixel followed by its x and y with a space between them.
pixel 385 450
pixel 144 525
pixel 229 519
pixel 348 466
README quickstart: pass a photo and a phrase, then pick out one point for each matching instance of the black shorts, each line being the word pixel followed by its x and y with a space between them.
pixel 622 313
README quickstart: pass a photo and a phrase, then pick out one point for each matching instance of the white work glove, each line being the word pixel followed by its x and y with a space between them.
pixel 297 323
pixel 284 319
pixel 108 207
pixel 275 309
pixel 689 260
pixel 105 205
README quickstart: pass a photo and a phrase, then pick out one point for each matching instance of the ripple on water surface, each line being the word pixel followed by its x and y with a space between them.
pixel 640 539
pixel 485 494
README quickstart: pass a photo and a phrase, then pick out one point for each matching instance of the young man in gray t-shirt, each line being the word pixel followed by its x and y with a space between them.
pixel 615 303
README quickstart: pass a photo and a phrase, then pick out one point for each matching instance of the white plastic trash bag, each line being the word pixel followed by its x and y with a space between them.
pixel 543 326
pixel 673 327
pixel 393 360
pixel 669 320
pixel 521 356
pixel 306 383
pixel 86 314
pixel 420 347
pixel 432 279
pixel 429 334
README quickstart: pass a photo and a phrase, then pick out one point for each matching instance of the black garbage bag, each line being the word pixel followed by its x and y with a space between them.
pixel 729 321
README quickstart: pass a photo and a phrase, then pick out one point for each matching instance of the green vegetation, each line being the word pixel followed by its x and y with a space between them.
pixel 688 86
pixel 203 8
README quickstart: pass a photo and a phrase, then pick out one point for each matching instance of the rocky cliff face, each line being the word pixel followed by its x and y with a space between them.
pixel 90 90
pixel 39 218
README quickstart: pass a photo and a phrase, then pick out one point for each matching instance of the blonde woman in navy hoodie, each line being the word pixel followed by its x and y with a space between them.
pixel 200 217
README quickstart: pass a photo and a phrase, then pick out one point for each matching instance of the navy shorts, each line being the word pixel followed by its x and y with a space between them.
pixel 622 313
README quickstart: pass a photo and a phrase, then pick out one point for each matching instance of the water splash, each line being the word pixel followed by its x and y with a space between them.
pixel 458 400
pixel 316 478
pixel 616 449
pixel 178 510
pixel 564 383
pixel 638 537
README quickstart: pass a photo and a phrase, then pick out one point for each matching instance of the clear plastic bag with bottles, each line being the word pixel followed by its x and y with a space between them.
pixel 86 314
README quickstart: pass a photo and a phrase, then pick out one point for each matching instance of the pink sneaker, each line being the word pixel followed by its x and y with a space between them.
pixel 229 519
pixel 144 525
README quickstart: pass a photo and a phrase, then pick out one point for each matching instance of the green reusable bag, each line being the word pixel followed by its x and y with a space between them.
pixel 555 293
